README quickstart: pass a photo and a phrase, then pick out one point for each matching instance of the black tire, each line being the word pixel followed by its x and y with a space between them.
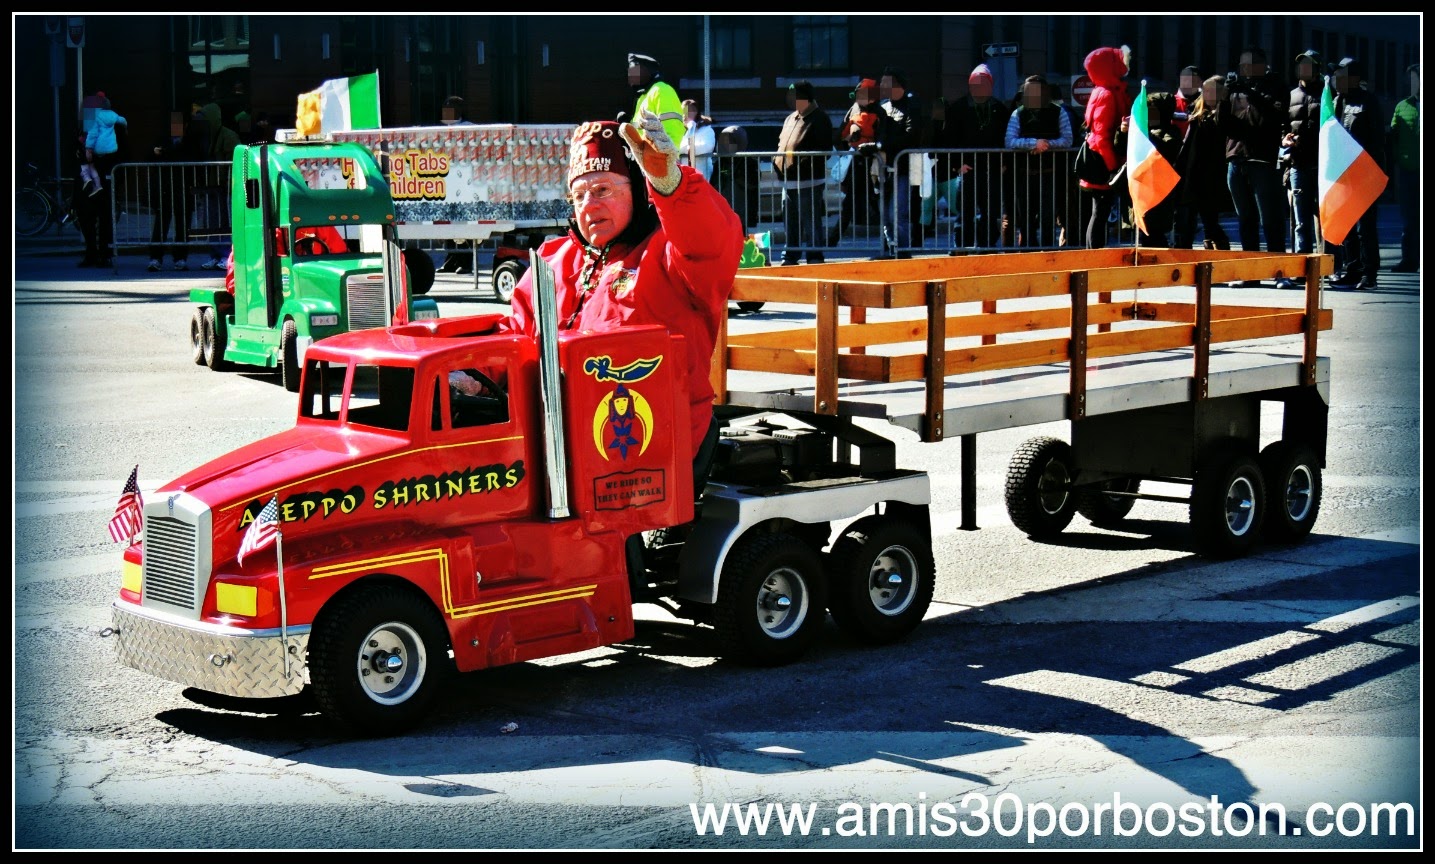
pixel 216 339
pixel 32 212
pixel 1105 510
pixel 421 271
pixel 506 275
pixel 1293 490
pixel 771 601
pixel 196 337
pixel 1227 504
pixel 289 356
pixel 1039 497
pixel 880 579
pixel 376 658
pixel 750 305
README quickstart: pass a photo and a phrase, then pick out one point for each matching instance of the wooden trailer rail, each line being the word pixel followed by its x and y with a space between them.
pixel 1007 331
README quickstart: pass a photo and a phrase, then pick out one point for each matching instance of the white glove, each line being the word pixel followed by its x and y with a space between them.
pixel 654 151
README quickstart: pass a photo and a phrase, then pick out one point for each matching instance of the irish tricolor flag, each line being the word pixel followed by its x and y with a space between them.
pixel 1350 181
pixel 1148 175
pixel 348 103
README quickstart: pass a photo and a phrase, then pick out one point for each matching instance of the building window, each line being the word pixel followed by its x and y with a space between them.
pixel 218 51
pixel 363 41
pixel 820 43
pixel 730 45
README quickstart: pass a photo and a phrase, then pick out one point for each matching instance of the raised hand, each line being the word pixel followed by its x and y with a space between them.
pixel 654 151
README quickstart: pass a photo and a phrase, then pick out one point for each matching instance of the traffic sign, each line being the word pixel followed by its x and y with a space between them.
pixel 75 31
pixel 1001 49
pixel 1081 89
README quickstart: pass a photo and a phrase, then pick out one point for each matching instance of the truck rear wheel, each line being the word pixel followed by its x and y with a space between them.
pixel 1228 501
pixel 770 602
pixel 196 337
pixel 1039 498
pixel 289 356
pixel 1293 488
pixel 505 278
pixel 376 658
pixel 214 338
pixel 880 579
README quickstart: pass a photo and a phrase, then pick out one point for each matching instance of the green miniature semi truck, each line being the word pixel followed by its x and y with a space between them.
pixel 316 253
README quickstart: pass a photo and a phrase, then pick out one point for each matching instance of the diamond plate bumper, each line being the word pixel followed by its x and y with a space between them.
pixel 227 660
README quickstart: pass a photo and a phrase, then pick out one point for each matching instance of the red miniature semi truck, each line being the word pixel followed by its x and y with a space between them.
pixel 423 531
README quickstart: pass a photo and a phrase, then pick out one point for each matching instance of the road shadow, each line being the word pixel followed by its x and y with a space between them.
pixel 965 683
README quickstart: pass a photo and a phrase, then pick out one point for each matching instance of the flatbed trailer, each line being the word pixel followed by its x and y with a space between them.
pixel 1160 376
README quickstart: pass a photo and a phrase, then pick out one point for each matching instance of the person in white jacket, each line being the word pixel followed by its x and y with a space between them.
pixel 699 141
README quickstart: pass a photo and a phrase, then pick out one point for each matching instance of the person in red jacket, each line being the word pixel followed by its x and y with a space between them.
pixel 650 242
pixel 1104 109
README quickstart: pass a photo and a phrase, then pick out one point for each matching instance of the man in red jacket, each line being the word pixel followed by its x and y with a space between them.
pixel 650 242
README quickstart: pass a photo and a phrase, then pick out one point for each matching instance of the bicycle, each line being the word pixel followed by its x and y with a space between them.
pixel 36 208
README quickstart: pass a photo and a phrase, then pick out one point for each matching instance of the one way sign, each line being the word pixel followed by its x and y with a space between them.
pixel 1001 49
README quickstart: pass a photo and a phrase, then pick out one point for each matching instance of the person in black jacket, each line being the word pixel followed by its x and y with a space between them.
pixel 906 131
pixel 1360 114
pixel 1301 145
pixel 1253 126
pixel 172 186
pixel 1202 192
pixel 976 122
pixel 807 130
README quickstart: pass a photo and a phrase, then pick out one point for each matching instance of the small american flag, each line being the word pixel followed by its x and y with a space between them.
pixel 262 530
pixel 129 512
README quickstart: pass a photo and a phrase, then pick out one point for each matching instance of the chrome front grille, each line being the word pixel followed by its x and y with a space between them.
pixel 177 554
pixel 364 296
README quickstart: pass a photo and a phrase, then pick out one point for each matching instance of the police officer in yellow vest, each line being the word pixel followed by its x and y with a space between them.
pixel 655 95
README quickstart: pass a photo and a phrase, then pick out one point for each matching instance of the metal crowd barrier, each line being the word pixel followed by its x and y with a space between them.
pixel 841 204
pixel 932 201
pixel 171 209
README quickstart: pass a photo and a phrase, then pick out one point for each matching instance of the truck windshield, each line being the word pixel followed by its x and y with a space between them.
pixel 380 396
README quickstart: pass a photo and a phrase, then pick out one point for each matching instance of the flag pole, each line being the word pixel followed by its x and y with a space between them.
pixel 283 602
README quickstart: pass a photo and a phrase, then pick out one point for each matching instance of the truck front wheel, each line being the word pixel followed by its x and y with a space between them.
pixel 289 356
pixel 376 658
pixel 880 579
pixel 771 601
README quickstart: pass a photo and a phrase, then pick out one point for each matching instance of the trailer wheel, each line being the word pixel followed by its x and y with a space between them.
pixel 289 356
pixel 376 658
pixel 214 338
pixel 196 337
pixel 1039 499
pixel 1105 510
pixel 1228 500
pixel 1293 490
pixel 770 600
pixel 880 579
pixel 421 271
pixel 506 276
pixel 750 305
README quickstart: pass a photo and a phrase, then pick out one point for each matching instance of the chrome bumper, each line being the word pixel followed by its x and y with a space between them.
pixel 217 659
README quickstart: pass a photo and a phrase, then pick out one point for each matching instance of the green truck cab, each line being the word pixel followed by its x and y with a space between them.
pixel 316 253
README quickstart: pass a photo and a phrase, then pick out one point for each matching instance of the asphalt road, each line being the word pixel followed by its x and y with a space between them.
pixel 1109 672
